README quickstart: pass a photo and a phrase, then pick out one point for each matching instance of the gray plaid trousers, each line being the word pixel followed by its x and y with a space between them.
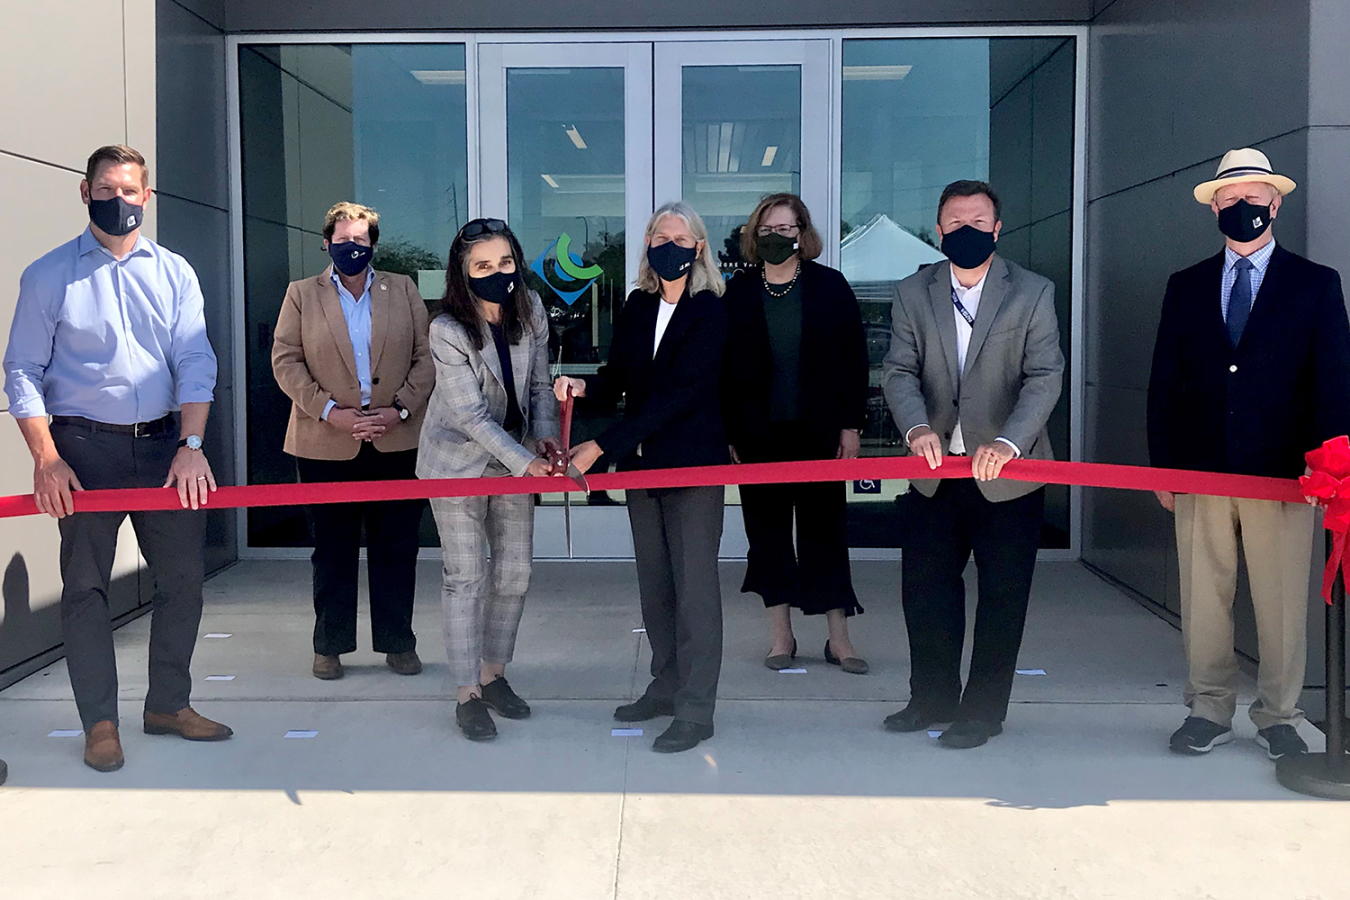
pixel 482 598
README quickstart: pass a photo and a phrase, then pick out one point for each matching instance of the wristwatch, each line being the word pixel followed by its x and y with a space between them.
pixel 402 410
pixel 192 442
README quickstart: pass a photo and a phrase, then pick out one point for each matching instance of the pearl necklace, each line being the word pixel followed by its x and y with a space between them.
pixel 764 273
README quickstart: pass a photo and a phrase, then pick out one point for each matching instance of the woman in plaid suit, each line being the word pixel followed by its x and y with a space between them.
pixel 492 412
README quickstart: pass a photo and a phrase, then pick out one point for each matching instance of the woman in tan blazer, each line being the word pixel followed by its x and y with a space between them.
pixel 350 350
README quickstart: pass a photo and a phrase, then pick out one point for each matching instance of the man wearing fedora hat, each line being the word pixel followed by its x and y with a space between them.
pixel 1250 371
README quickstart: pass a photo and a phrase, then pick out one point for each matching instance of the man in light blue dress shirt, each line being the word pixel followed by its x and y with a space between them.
pixel 109 341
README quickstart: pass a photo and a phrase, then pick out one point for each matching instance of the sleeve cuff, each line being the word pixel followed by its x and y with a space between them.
pixel 328 407
pixel 914 429
pixel 196 395
pixel 1017 452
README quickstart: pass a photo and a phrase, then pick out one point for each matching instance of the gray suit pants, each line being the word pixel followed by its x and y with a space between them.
pixel 676 534
pixel 172 543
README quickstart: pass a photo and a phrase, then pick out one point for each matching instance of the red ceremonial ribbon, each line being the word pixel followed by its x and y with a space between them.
pixel 1329 482
pixel 1178 481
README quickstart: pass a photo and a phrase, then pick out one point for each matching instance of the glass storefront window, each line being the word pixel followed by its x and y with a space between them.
pixel 380 124
pixel 917 115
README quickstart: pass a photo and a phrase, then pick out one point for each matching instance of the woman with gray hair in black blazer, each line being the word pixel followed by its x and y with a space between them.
pixel 666 360
pixel 491 413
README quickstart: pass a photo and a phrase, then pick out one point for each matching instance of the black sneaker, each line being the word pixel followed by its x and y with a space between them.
pixel 644 708
pixel 475 721
pixel 1280 741
pixel 1197 736
pixel 502 700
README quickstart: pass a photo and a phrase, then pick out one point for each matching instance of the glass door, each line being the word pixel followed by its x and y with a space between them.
pixel 736 120
pixel 566 158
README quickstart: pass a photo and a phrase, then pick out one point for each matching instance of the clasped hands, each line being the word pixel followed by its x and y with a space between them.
pixel 363 424
pixel 986 465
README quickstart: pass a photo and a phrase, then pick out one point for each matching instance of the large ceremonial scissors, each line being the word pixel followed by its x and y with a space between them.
pixel 562 465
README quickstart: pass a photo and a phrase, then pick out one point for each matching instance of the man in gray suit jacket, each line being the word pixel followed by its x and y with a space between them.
pixel 974 368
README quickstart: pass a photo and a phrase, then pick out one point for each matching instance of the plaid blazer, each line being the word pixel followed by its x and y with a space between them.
pixel 462 430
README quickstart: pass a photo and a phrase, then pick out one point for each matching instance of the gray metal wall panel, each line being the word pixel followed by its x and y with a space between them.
pixel 212 11
pixel 193 207
pixel 573 15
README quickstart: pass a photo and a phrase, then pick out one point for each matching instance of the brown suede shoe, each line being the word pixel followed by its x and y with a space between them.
pixel 404 663
pixel 103 748
pixel 187 724
pixel 329 668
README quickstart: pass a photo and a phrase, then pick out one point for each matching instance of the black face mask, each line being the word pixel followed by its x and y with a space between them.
pixel 671 261
pixel 350 257
pixel 494 288
pixel 116 216
pixel 968 247
pixel 774 248
pixel 1244 222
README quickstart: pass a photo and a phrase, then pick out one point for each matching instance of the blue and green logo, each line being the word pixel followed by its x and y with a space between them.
pixel 579 276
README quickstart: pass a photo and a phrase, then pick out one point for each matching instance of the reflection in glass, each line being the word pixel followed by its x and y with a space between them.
pixel 917 115
pixel 565 193
pixel 384 125
pixel 742 135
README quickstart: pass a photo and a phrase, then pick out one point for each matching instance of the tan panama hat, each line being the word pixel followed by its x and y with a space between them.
pixel 1238 166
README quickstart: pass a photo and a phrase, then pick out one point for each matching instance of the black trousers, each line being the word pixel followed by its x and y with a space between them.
pixel 676 534
pixel 815 576
pixel 1004 537
pixel 172 543
pixel 391 554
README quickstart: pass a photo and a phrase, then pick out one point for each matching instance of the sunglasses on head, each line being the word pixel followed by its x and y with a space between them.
pixel 480 227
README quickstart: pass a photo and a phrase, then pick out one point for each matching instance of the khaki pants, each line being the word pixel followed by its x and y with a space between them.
pixel 1277 541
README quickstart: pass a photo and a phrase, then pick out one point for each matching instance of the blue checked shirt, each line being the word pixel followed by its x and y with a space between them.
pixel 116 341
pixel 1260 260
pixel 356 310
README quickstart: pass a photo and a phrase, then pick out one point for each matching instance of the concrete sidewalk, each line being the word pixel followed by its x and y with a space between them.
pixel 801 794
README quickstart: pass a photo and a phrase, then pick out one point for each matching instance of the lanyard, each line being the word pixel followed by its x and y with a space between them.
pixel 965 313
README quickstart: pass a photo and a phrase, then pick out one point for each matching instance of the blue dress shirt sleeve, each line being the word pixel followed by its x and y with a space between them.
pixel 30 344
pixel 192 360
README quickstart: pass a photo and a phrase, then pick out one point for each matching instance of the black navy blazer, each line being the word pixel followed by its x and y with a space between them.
pixel 834 367
pixel 671 404
pixel 1257 408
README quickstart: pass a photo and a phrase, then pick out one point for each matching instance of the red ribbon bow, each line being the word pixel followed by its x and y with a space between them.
pixel 1329 483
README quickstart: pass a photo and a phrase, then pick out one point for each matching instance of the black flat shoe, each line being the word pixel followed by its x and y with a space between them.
pixel 853 665
pixel 915 718
pixel 969 733
pixel 644 708
pixel 681 736
pixel 781 661
pixel 499 698
pixel 475 721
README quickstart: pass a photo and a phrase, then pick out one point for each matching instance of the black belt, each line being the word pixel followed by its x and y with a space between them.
pixel 139 429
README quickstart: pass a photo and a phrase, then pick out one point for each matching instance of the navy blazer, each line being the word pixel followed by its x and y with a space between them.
pixel 1258 408
pixel 834 367
pixel 671 405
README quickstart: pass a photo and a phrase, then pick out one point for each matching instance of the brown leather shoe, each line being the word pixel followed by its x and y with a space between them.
pixel 404 663
pixel 103 748
pixel 187 724
pixel 329 668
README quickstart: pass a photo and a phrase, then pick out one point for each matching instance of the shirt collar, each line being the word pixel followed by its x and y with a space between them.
pixel 976 289
pixel 1259 260
pixel 337 282
pixel 87 243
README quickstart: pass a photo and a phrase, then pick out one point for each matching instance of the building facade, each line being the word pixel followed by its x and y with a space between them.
pixel 573 120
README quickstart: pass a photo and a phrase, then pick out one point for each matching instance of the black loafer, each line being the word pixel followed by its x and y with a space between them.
pixel 644 708
pixel 915 718
pixel 4 771
pixel 681 736
pixel 475 721
pixel 502 700
pixel 969 733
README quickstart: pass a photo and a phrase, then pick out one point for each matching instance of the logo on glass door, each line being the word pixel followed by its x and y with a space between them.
pixel 579 277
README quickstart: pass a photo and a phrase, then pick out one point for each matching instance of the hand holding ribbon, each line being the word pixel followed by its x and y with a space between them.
pixel 1328 484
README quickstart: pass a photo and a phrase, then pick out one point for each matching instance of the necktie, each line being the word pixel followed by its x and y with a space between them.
pixel 1240 301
